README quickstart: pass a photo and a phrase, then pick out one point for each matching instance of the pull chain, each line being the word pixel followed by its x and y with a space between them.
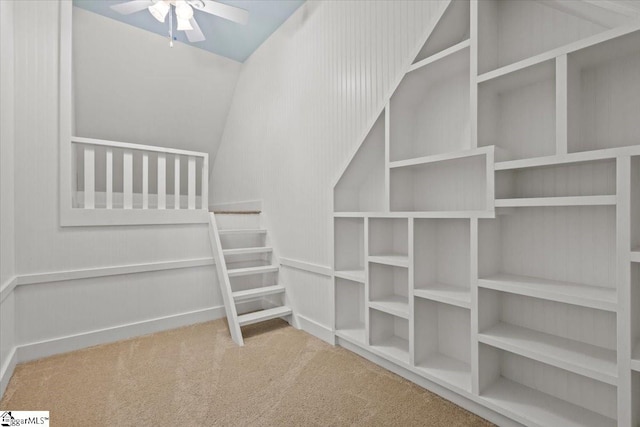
pixel 170 27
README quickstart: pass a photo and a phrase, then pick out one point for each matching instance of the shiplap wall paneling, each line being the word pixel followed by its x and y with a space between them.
pixel 516 112
pixel 362 185
pixel 604 94
pixel 442 260
pixel 442 342
pixel 536 393
pixel 511 31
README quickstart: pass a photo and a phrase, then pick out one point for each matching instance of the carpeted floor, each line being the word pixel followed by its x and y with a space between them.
pixel 196 376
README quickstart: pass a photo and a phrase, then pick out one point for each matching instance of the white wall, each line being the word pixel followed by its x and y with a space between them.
pixel 7 236
pixel 303 102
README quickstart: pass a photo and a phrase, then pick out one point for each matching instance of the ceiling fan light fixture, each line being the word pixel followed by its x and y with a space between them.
pixel 159 10
pixel 183 10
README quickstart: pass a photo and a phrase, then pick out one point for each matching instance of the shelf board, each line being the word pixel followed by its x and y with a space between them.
pixel 417 214
pixel 353 275
pixel 565 292
pixel 634 256
pixel 556 201
pixel 440 55
pixel 635 358
pixel 574 356
pixel 531 406
pixel 395 348
pixel 395 260
pixel 395 305
pixel 448 370
pixel 355 334
pixel 453 295
pixel 442 157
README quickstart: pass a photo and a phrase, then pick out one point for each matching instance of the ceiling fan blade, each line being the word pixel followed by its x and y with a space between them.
pixel 225 11
pixel 131 6
pixel 194 35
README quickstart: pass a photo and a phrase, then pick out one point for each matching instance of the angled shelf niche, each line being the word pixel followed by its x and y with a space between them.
pixel 574 180
pixel 566 254
pixel 551 332
pixel 456 184
pixel 442 260
pixel 451 29
pixel 389 241
pixel 535 393
pixel 511 31
pixel 604 95
pixel 350 310
pixel 443 342
pixel 430 109
pixel 349 248
pixel 361 186
pixel 389 289
pixel 516 113
pixel 389 335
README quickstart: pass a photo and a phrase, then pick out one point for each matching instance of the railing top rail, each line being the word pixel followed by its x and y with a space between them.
pixel 139 147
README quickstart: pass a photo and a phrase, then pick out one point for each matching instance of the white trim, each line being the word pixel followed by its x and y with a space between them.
pixel 40 349
pixel 137 147
pixel 6 370
pixel 7 288
pixel 100 217
pixel 246 205
pixel 59 276
pixel 314 328
pixel 322 270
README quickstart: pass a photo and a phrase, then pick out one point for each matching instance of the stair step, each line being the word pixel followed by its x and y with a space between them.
pixel 234 272
pixel 232 231
pixel 257 292
pixel 245 251
pixel 259 316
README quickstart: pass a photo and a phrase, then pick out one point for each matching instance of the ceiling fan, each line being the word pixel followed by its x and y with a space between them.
pixel 184 13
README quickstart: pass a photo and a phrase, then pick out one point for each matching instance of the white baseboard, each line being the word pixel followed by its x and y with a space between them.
pixel 314 328
pixel 6 370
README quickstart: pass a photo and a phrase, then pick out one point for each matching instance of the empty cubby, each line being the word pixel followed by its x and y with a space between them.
pixel 516 113
pixel 430 109
pixel 442 260
pixel 564 180
pixel 604 95
pixel 451 29
pixel 389 289
pixel 510 31
pixel 458 184
pixel 569 252
pixel 389 335
pixel 350 309
pixel 635 203
pixel 388 237
pixel 349 246
pixel 361 186
pixel 535 393
pixel 635 314
pixel 443 342
pixel 551 332
pixel 635 399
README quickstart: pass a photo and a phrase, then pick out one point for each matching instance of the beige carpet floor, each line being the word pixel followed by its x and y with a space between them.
pixel 196 376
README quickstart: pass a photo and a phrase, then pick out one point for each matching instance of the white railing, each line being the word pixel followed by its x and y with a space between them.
pixel 122 183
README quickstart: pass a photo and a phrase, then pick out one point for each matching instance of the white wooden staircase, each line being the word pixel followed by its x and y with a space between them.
pixel 247 271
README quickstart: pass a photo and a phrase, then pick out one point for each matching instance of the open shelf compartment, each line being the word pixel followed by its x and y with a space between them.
pixel 389 335
pixel 635 398
pixel 535 393
pixel 451 29
pixel 389 241
pixel 516 113
pixel 389 289
pixel 442 260
pixel 442 342
pixel 604 95
pixel 430 109
pixel 350 310
pixel 635 316
pixel 349 248
pixel 635 207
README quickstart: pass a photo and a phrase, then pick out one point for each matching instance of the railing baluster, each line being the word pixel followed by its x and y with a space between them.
pixel 145 181
pixel 192 183
pixel 109 178
pixel 89 178
pixel 162 181
pixel 127 179
pixel 176 183
pixel 204 198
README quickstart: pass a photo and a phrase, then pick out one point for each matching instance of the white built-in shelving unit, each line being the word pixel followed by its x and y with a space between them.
pixel 487 229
